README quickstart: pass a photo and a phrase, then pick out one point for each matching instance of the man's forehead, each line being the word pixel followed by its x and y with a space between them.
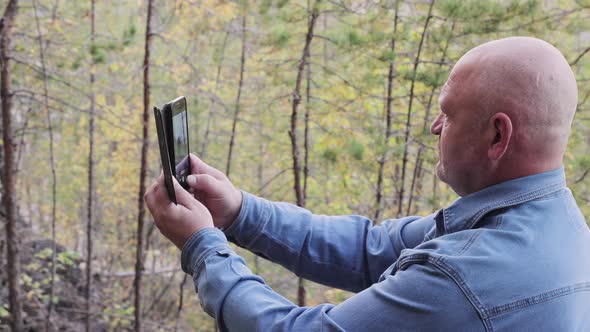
pixel 447 88
pixel 464 70
pixel 451 80
pixel 448 85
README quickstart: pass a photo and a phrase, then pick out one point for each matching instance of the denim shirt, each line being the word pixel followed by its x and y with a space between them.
pixel 512 257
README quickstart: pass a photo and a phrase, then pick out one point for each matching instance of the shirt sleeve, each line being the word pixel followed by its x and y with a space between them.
pixel 419 298
pixel 345 252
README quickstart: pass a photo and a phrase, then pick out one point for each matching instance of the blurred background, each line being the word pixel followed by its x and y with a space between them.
pixel 324 104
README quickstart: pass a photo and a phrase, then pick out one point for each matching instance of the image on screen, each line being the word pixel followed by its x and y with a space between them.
pixel 180 144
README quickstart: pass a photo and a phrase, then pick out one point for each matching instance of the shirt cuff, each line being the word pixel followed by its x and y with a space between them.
pixel 254 214
pixel 201 245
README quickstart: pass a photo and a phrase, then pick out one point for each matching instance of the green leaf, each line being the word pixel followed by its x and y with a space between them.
pixel 330 155
pixel 4 311
pixel 356 150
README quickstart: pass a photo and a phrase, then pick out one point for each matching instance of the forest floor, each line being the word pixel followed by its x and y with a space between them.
pixel 69 299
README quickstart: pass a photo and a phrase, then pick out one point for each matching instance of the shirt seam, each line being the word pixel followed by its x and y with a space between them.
pixel 241 215
pixel 469 242
pixel 188 247
pixel 536 299
pixel 515 200
pixel 478 306
pixel 263 218
pixel 439 263
pixel 206 254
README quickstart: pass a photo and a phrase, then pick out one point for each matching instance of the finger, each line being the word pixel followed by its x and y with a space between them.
pixel 199 195
pixel 183 197
pixel 157 195
pixel 161 191
pixel 150 189
pixel 203 182
pixel 151 197
pixel 201 207
pixel 149 193
pixel 200 167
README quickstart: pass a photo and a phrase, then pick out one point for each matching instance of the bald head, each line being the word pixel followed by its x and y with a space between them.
pixel 517 97
pixel 530 81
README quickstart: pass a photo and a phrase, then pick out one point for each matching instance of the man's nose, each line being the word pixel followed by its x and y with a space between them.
pixel 436 125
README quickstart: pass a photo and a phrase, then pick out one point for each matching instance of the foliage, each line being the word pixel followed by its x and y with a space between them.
pixel 119 316
pixel 4 311
pixel 350 57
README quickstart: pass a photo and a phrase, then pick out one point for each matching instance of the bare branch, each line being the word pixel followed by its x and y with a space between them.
pixel 575 62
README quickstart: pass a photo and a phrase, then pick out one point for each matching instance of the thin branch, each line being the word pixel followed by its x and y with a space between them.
pixel 299 195
pixel 419 159
pixel 32 95
pixel 158 297
pixel 296 101
pixel 143 169
pixel 180 302
pixel 306 125
pixel 575 62
pixel 52 165
pixel 581 178
pixel 269 181
pixel 213 97
pixel 90 209
pixel 409 115
pixel 239 94
pixel 388 106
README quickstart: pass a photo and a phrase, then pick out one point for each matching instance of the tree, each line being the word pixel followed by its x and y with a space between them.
pixel 143 170
pixel 299 194
pixel 409 115
pixel 90 199
pixel 351 125
pixel 9 172
pixel 52 167
pixel 389 119
pixel 239 94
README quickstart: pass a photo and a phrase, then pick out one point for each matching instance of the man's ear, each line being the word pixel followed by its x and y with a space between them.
pixel 502 125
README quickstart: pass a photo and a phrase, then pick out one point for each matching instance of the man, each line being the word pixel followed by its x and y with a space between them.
pixel 512 254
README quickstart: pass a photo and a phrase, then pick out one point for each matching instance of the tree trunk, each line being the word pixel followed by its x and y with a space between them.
pixel 89 211
pixel 301 292
pixel 299 193
pixel 306 128
pixel 52 167
pixel 296 101
pixel 240 84
pixel 9 172
pixel 417 176
pixel 260 173
pixel 409 115
pixel 383 159
pixel 143 170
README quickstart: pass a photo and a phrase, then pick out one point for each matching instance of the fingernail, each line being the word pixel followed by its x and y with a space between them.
pixel 191 180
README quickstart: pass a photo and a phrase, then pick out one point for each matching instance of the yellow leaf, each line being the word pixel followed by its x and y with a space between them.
pixel 101 100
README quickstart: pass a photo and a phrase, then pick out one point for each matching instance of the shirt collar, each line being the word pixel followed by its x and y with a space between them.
pixel 466 211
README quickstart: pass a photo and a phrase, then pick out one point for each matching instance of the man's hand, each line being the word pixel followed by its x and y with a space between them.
pixel 176 222
pixel 212 188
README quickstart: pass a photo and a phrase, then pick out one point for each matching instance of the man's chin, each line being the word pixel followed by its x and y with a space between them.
pixel 440 174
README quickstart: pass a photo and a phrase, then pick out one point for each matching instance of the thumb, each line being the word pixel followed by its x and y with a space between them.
pixel 183 197
pixel 203 182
